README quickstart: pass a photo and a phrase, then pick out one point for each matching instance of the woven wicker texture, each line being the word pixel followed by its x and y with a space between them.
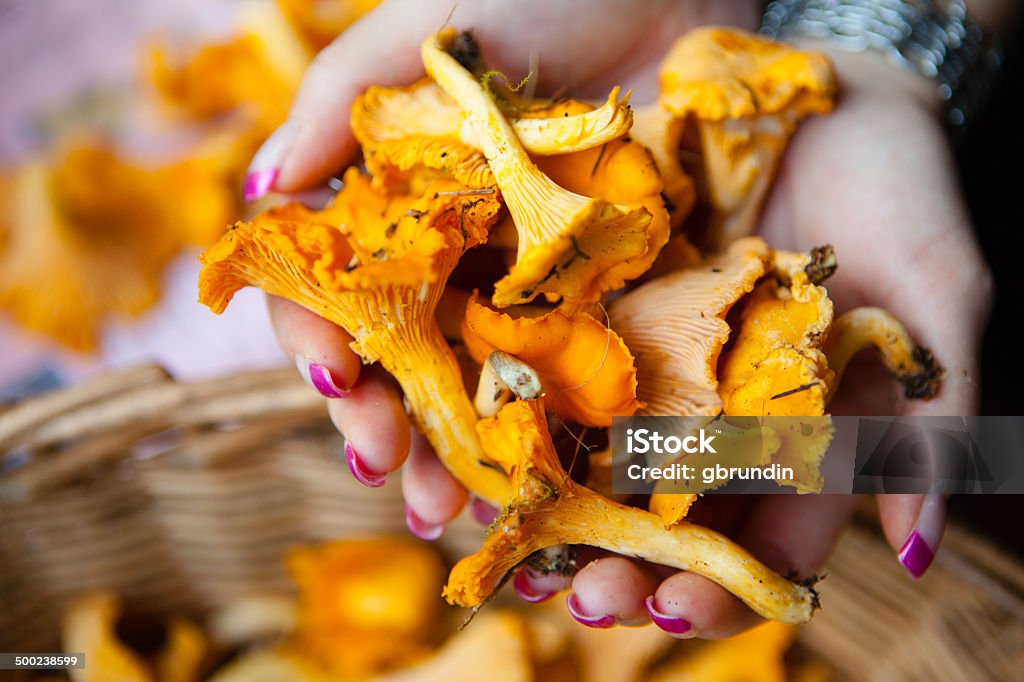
pixel 183 497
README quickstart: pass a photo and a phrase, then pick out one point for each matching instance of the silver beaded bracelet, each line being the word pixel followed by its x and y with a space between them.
pixel 934 37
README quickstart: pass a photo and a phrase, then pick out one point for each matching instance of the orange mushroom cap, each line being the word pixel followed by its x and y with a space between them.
pixel 717 73
pixel 741 97
pixel 404 128
pixel 388 590
pixel 567 242
pixel 777 350
pixel 585 369
pixel 375 265
pixel 89 232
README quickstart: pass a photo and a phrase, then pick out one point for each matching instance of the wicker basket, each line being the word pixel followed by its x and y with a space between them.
pixel 183 497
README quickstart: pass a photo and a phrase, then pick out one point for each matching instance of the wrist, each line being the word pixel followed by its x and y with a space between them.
pixel 872 74
pixel 935 38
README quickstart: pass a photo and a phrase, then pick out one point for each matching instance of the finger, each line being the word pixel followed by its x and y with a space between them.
pixel 375 426
pixel 432 495
pixel 383 49
pixel 554 572
pixel 320 349
pixel 913 525
pixel 611 591
pixel 380 49
pixel 792 535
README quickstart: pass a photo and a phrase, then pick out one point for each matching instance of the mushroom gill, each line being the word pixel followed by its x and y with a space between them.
pixel 376 266
pixel 566 241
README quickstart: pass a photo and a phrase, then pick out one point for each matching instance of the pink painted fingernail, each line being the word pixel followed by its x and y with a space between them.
pixel 320 378
pixel 420 528
pixel 266 164
pixel 919 550
pixel 673 625
pixel 600 622
pixel 525 587
pixel 360 473
pixel 483 512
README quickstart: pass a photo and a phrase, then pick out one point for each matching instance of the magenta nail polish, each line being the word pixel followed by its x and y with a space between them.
pixel 600 622
pixel 266 164
pixel 918 552
pixel 525 588
pixel 259 183
pixel 367 478
pixel 673 625
pixel 320 378
pixel 420 528
pixel 916 556
pixel 483 512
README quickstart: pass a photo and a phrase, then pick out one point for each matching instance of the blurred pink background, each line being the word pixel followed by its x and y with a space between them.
pixel 54 52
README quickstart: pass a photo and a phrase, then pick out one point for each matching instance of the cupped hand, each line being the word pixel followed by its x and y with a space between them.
pixel 875 179
pixel 384 49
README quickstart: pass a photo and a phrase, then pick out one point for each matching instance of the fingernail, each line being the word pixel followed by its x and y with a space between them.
pixel 919 550
pixel 673 625
pixel 527 590
pixel 420 528
pixel 483 512
pixel 600 622
pixel 266 164
pixel 320 378
pixel 367 478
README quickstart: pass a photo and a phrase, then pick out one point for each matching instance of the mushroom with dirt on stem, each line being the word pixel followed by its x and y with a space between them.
pixel 551 509
pixel 567 242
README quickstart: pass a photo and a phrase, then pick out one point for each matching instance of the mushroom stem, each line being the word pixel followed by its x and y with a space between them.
pixel 566 240
pixel 740 157
pixel 570 517
pixel 550 509
pixel 420 360
pixel 865 327
pixel 500 377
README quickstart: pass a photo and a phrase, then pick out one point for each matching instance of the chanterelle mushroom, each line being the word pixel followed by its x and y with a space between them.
pixel 375 265
pixel 623 172
pixel 662 133
pixel 566 241
pixel 777 349
pixel 745 95
pixel 550 509
pixel 420 125
pixel 675 326
pixel 584 367
pixel 87 234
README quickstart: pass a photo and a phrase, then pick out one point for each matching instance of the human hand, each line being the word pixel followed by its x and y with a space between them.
pixel 384 48
pixel 876 180
pixel 787 533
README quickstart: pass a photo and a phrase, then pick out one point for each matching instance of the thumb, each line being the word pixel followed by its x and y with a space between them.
pixel 382 49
